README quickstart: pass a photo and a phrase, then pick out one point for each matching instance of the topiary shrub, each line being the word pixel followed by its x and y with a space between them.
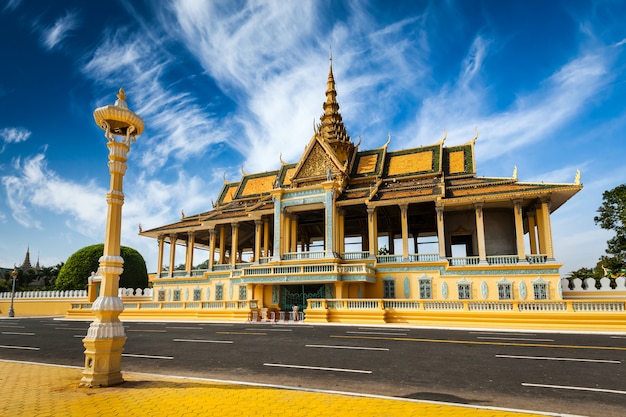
pixel 75 272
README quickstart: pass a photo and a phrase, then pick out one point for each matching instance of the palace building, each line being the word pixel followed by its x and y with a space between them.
pixel 361 225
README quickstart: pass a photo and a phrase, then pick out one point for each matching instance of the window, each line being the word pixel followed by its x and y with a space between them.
pixel 540 290
pixel 197 294
pixel 389 287
pixel 242 292
pixel 219 292
pixel 504 291
pixel 176 296
pixel 161 295
pixel 425 289
pixel 465 291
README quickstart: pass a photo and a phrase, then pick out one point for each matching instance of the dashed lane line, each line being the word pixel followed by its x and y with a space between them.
pixel 184 327
pixel 548 358
pixel 318 368
pixel 147 356
pixel 18 347
pixel 247 333
pixel 474 342
pixel 19 333
pixel 567 387
pixel 347 347
pixel 379 333
pixel 146 331
pixel 202 341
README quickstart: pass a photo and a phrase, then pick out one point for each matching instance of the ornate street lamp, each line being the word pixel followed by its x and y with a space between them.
pixel 105 338
pixel 14 276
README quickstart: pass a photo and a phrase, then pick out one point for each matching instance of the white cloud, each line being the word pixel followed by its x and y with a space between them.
pixel 13 135
pixel 11 5
pixel 53 35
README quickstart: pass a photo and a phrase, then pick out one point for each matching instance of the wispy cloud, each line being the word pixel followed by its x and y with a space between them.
pixel 11 5
pixel 53 35
pixel 13 135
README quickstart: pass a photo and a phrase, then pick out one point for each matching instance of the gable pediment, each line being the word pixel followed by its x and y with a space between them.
pixel 318 164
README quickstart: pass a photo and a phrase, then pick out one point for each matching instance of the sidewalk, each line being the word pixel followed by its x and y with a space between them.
pixel 43 390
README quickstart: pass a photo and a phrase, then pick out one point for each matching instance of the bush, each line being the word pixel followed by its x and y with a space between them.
pixel 75 272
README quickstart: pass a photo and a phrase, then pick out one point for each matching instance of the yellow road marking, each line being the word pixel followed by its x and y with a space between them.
pixel 472 342
pixel 258 334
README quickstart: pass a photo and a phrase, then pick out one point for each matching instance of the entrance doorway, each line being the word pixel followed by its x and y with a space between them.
pixel 297 295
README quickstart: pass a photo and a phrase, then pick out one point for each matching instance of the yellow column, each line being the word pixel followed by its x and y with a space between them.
pixel 266 237
pixel 222 245
pixel 532 232
pixel 372 229
pixel 405 230
pixel 258 224
pixel 172 254
pixel 258 295
pixel 286 233
pixel 191 241
pixel 546 229
pixel 212 239
pixel 293 235
pixel 161 241
pixel 341 240
pixel 339 285
pixel 234 244
pixel 539 218
pixel 519 230
pixel 441 237
pixel 480 233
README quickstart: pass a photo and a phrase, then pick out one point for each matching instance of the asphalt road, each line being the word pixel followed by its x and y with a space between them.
pixel 579 374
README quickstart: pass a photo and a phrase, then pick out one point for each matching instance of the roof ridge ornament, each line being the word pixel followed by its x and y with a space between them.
pixel 445 136
pixel 243 172
pixel 475 136
pixel 577 178
pixel 515 172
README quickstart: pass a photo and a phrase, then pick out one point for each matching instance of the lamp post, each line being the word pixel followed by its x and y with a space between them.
pixel 105 338
pixel 14 276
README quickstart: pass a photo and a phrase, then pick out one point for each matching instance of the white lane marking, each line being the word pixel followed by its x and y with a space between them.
pixel 318 368
pixel 19 333
pixel 80 335
pixel 56 324
pixel 346 347
pixel 609 391
pixel 379 333
pixel 11 326
pixel 270 330
pixel 183 327
pixel 147 356
pixel 395 328
pixel 548 358
pixel 18 347
pixel 518 339
pixel 505 333
pixel 618 337
pixel 203 341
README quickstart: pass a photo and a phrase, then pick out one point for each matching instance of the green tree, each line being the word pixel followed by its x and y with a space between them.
pixel 75 272
pixel 612 216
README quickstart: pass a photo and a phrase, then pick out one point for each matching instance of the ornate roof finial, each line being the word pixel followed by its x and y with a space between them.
pixel 280 156
pixel 445 135
pixel 475 136
pixel 388 140
pixel 242 171
pixel 225 182
pixel 121 99
pixel 515 172
pixel 577 178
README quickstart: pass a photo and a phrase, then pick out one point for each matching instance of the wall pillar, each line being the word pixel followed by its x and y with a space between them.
pixel 545 229
pixel 480 232
pixel 404 208
pixel 234 244
pixel 519 229
pixel 212 236
pixel 293 234
pixel 266 237
pixel 532 232
pixel 441 236
pixel 372 231
pixel 258 225
pixel 222 245
pixel 191 241
pixel 161 242
pixel 172 254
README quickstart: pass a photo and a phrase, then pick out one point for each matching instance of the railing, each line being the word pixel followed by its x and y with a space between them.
pixel 502 260
pixel 537 259
pixel 590 288
pixel 45 294
pixel 324 268
pixel 387 259
pixel 468 305
pixel 348 256
pixel 290 256
pixel 265 260
pixel 468 260
pixel 423 257
pixel 222 267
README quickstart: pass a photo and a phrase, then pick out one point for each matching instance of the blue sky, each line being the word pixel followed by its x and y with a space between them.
pixel 223 85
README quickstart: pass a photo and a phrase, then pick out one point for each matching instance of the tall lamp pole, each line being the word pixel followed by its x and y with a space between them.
pixel 14 276
pixel 105 338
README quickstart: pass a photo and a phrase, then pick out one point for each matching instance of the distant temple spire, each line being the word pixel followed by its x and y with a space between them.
pixel 26 264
